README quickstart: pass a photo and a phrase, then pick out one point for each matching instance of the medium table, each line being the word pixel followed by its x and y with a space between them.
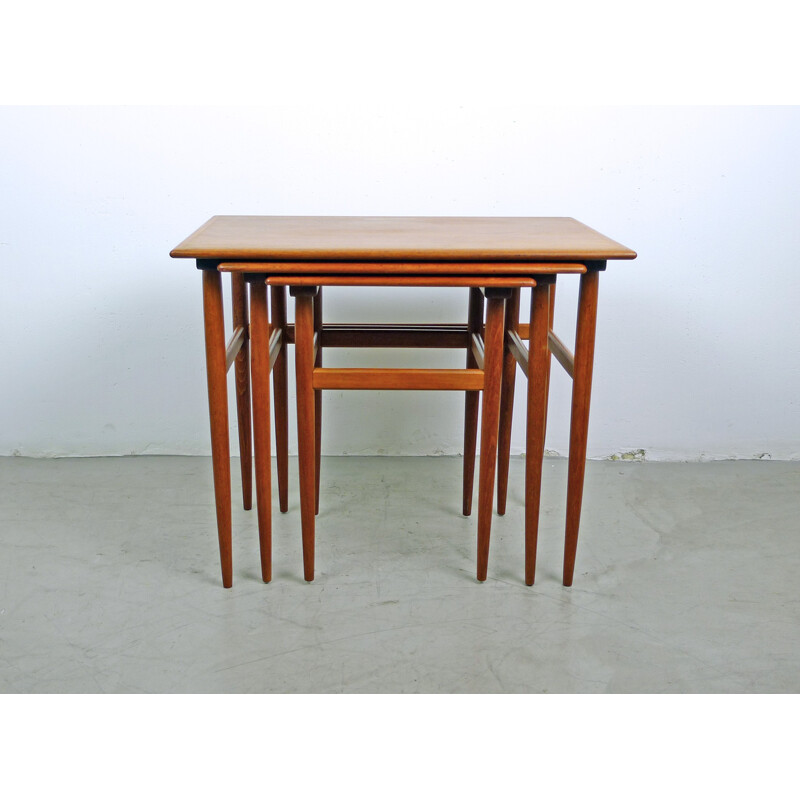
pixel 492 256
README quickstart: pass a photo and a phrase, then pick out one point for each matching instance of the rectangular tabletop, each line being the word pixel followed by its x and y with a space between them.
pixel 440 281
pixel 399 239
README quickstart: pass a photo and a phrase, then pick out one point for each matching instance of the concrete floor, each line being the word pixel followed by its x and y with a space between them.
pixel 686 581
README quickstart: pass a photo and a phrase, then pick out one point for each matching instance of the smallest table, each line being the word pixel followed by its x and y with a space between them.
pixel 497 254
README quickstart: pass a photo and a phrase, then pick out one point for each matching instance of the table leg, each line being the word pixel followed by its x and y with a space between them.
pixel 260 332
pixel 579 424
pixel 506 404
pixel 471 402
pixel 538 357
pixel 552 304
pixel 492 376
pixel 280 384
pixel 306 428
pixel 218 413
pixel 317 399
pixel 242 375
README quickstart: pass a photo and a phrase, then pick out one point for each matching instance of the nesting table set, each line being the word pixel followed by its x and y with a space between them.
pixel 494 258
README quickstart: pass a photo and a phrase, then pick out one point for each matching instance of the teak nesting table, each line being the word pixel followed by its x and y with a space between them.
pixel 493 257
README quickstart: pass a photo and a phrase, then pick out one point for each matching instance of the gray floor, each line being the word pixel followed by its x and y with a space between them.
pixel 686 582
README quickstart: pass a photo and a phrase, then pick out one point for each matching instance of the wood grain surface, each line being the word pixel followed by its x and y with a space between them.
pixel 399 238
pixel 407 270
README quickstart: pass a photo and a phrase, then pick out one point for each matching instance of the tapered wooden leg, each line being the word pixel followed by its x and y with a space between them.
pixel 218 413
pixel 260 331
pixel 304 361
pixel 506 404
pixel 538 357
pixel 280 384
pixel 242 374
pixel 472 400
pixel 579 425
pixel 552 305
pixel 492 376
pixel 317 399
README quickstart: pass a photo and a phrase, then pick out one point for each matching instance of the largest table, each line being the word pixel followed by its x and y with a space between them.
pixel 497 255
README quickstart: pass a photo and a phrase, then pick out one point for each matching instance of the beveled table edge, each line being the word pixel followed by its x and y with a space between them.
pixel 612 251
pixel 356 268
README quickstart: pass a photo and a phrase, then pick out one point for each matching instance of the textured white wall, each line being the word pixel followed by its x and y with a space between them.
pixel 698 340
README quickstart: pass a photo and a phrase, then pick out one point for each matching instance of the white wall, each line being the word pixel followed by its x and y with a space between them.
pixel 698 340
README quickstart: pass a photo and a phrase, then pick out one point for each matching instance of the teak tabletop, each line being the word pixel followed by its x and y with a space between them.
pixel 353 239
